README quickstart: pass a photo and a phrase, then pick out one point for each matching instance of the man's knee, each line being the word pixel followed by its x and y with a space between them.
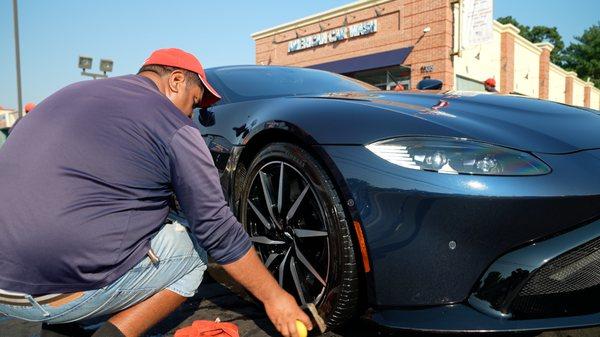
pixel 187 285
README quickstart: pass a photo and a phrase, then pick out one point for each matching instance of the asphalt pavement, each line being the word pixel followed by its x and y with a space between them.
pixel 214 300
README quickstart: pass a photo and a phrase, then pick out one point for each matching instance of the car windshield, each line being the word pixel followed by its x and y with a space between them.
pixel 243 84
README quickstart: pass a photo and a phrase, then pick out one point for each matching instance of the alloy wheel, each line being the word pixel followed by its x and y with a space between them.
pixel 288 227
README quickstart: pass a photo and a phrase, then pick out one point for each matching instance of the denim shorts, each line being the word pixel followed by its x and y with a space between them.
pixel 180 269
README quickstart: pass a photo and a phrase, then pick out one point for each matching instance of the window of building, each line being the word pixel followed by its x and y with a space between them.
pixel 384 78
pixel 468 84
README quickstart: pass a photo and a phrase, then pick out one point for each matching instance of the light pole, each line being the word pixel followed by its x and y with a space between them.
pixel 17 57
pixel 85 63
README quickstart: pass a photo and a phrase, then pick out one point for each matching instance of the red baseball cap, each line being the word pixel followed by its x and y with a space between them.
pixel 490 82
pixel 173 57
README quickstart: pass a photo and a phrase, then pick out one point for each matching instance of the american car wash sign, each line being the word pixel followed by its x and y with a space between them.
pixel 334 35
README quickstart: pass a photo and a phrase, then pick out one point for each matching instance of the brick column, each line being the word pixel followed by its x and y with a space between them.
pixel 432 48
pixel 507 58
pixel 569 89
pixel 587 92
pixel 545 69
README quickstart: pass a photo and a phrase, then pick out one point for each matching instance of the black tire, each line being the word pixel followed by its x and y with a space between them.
pixel 319 211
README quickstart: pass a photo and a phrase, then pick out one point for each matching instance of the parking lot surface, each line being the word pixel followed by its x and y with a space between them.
pixel 214 300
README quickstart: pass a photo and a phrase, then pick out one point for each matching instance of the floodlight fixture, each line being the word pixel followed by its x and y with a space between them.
pixel 85 62
pixel 106 66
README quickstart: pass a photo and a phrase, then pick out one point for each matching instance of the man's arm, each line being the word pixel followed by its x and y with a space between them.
pixel 196 183
pixel 280 306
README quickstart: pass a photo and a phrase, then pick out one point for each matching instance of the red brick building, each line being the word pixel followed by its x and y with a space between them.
pixel 385 42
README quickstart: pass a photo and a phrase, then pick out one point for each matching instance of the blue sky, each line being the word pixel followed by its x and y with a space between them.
pixel 54 33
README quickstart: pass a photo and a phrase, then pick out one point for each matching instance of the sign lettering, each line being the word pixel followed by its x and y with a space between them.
pixel 334 35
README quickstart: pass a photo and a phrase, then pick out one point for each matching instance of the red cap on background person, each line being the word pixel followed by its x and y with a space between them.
pixel 173 57
pixel 399 87
pixel 29 106
pixel 490 85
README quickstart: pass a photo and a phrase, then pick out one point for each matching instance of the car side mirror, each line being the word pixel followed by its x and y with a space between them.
pixel 206 117
pixel 430 84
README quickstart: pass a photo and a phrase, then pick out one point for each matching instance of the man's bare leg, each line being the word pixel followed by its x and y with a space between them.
pixel 136 320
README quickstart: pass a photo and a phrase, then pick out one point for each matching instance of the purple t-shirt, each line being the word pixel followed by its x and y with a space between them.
pixel 85 180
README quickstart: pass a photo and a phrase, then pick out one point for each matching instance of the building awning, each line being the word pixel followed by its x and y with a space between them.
pixel 372 61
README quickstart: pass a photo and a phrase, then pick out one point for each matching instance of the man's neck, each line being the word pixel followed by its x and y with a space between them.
pixel 155 78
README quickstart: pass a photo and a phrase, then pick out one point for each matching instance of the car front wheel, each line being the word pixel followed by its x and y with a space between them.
pixel 298 226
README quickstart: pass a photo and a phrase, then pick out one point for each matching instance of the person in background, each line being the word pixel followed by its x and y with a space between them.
pixel 490 85
pixel 29 106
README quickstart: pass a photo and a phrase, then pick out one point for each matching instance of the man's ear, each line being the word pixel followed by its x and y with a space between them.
pixel 176 81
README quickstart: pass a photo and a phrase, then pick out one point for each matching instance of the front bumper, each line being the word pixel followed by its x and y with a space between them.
pixel 461 318
pixel 489 308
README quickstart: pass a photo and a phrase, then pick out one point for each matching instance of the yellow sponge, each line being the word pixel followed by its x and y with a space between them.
pixel 301 328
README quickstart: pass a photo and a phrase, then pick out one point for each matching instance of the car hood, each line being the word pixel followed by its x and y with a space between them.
pixel 513 121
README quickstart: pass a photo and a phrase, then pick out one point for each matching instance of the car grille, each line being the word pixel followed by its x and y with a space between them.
pixel 566 285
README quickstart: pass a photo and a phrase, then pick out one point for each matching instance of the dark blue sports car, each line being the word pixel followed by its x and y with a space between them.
pixel 429 211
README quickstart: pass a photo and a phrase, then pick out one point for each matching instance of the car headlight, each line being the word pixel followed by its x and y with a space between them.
pixel 457 156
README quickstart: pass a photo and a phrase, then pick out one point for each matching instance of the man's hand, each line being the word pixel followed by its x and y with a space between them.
pixel 281 307
pixel 283 312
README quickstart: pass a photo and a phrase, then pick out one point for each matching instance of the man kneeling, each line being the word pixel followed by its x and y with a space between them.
pixel 86 181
